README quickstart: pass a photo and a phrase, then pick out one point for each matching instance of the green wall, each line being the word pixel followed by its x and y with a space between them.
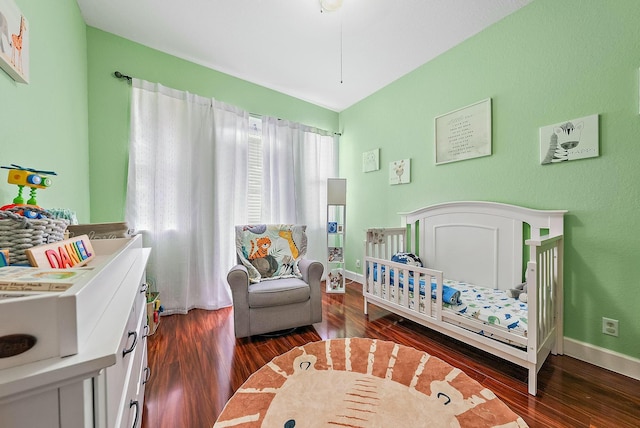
pixel 549 62
pixel 44 123
pixel 109 107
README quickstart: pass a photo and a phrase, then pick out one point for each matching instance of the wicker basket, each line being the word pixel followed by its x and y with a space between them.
pixel 18 233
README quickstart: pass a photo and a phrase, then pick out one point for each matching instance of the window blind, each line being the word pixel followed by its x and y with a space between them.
pixel 254 197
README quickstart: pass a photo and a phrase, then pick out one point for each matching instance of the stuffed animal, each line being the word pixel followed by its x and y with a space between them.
pixel 520 292
pixel 523 297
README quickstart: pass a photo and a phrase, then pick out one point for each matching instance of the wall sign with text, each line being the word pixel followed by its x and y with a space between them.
pixel 464 133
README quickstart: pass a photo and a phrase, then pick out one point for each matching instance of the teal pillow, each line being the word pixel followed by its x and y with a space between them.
pixel 271 251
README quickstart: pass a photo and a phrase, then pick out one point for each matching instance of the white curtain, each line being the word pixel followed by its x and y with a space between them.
pixel 297 161
pixel 187 170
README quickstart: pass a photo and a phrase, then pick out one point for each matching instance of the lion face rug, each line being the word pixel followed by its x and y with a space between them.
pixel 363 383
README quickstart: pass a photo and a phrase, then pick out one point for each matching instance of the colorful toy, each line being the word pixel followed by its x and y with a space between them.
pixel 32 178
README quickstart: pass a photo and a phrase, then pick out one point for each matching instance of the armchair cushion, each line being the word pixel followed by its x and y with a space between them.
pixel 277 293
pixel 271 251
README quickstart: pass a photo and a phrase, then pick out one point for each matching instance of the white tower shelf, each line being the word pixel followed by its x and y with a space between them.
pixel 336 230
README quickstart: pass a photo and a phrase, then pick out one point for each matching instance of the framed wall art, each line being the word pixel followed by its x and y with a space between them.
pixel 570 140
pixel 400 172
pixel 464 133
pixel 14 41
pixel 371 160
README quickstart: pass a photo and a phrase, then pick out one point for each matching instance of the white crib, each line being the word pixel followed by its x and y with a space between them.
pixel 481 244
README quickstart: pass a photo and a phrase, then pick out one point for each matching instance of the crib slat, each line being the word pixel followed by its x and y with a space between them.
pixel 544 306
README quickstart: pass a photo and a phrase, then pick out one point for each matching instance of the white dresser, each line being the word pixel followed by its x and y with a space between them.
pixel 89 363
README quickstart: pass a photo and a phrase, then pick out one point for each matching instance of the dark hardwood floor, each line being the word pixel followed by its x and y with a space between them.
pixel 197 364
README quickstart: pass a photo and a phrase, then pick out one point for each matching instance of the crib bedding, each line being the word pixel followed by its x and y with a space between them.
pixel 490 306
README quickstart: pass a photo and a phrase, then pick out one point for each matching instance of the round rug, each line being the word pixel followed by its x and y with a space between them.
pixel 363 383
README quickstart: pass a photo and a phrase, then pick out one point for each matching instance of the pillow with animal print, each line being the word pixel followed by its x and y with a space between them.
pixel 407 259
pixel 271 251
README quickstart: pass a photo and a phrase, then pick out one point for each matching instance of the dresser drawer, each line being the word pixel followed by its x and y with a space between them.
pixel 135 395
pixel 39 410
pixel 119 376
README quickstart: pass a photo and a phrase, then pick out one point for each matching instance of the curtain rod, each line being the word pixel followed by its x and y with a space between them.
pixel 119 75
pixel 122 76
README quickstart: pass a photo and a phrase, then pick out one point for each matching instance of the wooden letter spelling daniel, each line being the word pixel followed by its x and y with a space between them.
pixel 74 252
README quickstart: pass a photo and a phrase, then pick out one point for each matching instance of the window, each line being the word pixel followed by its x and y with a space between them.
pixel 254 196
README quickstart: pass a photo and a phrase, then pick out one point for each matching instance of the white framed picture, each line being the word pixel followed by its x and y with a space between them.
pixel 570 140
pixel 371 160
pixel 464 133
pixel 14 41
pixel 400 172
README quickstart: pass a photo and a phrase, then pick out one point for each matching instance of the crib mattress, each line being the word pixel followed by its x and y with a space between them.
pixel 490 306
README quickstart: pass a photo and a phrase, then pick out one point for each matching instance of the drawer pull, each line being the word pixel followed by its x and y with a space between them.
pixel 146 331
pixel 133 345
pixel 144 287
pixel 136 404
pixel 147 375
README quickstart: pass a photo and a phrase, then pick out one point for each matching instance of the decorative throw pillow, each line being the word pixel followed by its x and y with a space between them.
pixel 407 259
pixel 271 251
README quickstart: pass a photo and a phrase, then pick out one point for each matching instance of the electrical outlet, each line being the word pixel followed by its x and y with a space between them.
pixel 610 326
pixel 357 263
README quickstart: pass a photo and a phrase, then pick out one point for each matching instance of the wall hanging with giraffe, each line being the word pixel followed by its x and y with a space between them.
pixel 14 41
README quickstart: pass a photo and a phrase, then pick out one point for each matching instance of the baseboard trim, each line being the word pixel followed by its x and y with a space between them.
pixel 601 357
pixel 357 277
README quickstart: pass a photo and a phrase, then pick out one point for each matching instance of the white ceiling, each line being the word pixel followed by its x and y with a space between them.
pixel 332 59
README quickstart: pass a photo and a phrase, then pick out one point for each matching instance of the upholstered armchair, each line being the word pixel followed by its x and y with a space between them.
pixel 273 287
